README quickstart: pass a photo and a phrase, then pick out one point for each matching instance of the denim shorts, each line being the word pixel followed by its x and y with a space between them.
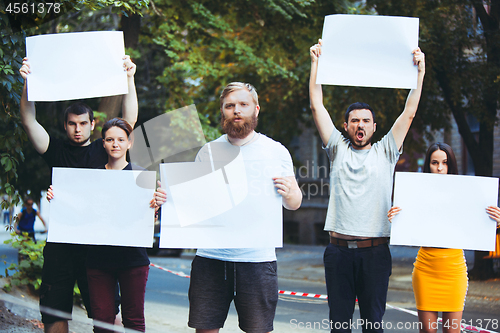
pixel 215 283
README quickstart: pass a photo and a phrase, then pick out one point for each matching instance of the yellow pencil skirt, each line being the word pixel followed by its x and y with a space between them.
pixel 440 279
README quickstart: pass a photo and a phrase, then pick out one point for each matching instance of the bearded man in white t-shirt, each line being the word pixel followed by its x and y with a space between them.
pixel 247 276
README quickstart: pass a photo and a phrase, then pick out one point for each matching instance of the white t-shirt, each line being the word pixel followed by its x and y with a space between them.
pixel 360 186
pixel 263 148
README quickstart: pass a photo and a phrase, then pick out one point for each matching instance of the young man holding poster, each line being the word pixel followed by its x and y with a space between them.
pixel 357 260
pixel 247 276
pixel 65 263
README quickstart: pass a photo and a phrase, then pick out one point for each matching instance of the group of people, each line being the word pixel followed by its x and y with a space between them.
pixel 357 260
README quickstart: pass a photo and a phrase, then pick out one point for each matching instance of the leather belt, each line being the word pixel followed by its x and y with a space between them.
pixel 359 243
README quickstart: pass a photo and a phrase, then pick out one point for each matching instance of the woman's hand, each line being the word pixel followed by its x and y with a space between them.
pixel 494 213
pixel 160 197
pixel 50 193
pixel 393 212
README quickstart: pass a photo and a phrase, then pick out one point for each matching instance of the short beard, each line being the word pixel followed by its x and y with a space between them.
pixel 239 131
pixel 79 144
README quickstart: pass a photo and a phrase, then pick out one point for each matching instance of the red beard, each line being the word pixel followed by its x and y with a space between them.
pixel 239 130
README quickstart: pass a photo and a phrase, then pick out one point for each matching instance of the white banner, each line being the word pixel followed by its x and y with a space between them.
pixel 368 51
pixel 102 207
pixel 447 211
pixel 235 206
pixel 76 65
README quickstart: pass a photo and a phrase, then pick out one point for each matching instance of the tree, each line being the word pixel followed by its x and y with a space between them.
pixel 12 135
pixel 461 39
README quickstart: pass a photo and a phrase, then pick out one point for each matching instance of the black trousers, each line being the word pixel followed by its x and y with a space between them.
pixel 361 273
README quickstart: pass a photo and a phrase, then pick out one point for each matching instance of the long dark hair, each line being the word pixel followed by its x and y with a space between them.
pixel 450 156
pixel 116 122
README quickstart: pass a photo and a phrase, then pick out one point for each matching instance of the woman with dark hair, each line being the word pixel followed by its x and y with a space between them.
pixel 108 265
pixel 439 275
pixel 450 161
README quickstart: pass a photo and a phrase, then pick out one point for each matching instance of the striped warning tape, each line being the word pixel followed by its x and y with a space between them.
pixel 464 327
pixel 181 274
pixel 468 328
pixel 293 293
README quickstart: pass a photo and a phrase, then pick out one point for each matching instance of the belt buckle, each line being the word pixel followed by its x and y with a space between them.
pixel 352 244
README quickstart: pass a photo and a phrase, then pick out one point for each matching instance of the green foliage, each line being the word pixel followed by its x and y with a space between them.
pixel 100 119
pixel 190 50
pixel 28 272
pixel 187 51
pixel 12 135
pixel 461 39
pixel 130 6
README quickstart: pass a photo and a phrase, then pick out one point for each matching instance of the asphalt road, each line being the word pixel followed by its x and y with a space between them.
pixel 168 291
pixel 300 270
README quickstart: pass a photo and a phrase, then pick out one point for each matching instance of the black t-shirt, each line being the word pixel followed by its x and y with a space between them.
pixel 107 256
pixel 62 154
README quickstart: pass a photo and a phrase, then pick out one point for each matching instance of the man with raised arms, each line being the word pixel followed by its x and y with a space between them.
pixel 357 260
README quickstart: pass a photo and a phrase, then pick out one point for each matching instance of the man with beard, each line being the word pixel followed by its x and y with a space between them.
pixel 64 264
pixel 247 276
pixel 357 260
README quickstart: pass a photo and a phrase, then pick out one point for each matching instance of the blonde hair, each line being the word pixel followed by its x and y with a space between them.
pixel 233 86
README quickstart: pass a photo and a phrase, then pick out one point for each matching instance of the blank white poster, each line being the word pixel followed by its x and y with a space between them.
pixel 102 207
pixel 446 211
pixel 368 51
pixel 76 65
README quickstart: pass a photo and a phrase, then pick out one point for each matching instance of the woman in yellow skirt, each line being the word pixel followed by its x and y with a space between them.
pixel 439 275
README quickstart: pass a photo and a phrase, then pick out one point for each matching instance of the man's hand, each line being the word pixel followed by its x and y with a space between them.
pixel 283 185
pixel 419 59
pixel 130 105
pixel 321 117
pixel 25 69
pixel 129 66
pixel 289 190
pixel 402 124
pixel 315 51
pixel 36 133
